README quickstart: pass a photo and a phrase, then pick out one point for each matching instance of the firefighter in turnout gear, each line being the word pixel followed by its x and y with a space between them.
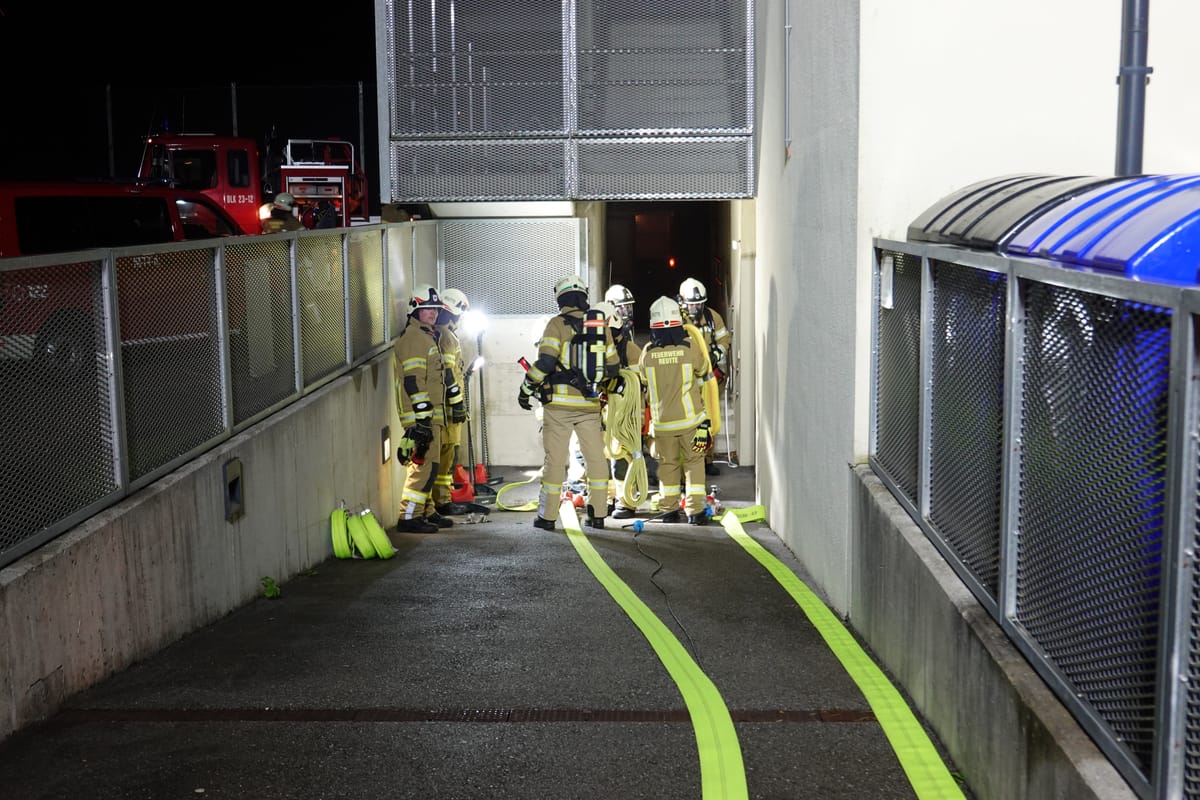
pixel 575 364
pixel 420 387
pixel 624 434
pixel 622 300
pixel 456 304
pixel 693 299
pixel 675 370
pixel 282 217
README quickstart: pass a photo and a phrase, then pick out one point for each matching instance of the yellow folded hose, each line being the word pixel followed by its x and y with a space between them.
pixel 341 539
pixel 377 535
pixel 360 537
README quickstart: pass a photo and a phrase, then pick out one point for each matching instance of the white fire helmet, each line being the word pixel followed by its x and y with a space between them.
pixel 424 296
pixel 622 299
pixel 692 296
pixel 610 313
pixel 664 313
pixel 571 283
pixel 456 302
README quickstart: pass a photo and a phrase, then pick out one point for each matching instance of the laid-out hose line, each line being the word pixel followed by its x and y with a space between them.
pixel 926 772
pixel 722 770
pixel 623 417
pixel 531 505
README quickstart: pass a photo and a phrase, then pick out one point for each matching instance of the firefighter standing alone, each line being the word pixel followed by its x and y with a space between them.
pixel 282 217
pixel 576 359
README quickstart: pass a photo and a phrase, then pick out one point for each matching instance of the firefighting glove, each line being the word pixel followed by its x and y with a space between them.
pixel 454 399
pixel 524 395
pixel 422 435
pixel 616 385
pixel 716 354
pixel 701 439
pixel 405 448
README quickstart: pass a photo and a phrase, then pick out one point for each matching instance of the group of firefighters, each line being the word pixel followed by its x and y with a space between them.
pixel 587 365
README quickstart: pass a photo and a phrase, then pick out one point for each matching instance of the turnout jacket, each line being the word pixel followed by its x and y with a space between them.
pixel 554 360
pixel 712 326
pixel 452 357
pixel 419 376
pixel 673 376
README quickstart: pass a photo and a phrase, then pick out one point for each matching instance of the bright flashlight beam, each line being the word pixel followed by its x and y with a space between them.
pixel 474 323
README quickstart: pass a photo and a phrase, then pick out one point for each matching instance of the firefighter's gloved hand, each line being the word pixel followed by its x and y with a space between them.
pixel 421 433
pixel 405 448
pixel 454 398
pixel 716 354
pixel 524 395
pixel 616 385
pixel 701 439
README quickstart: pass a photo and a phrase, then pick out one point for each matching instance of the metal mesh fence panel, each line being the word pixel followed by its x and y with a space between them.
pixel 1190 660
pixel 501 106
pixel 58 452
pixel 365 262
pixel 262 352
pixel 494 169
pixel 1092 499
pixel 651 169
pixel 671 65
pixel 967 415
pixel 322 305
pixel 898 372
pixel 480 256
pixel 170 355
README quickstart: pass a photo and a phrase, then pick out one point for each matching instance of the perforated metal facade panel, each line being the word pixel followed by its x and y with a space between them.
pixel 481 256
pixel 567 99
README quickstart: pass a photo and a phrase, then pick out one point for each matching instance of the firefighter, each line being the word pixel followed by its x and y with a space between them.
pixel 622 300
pixel 456 304
pixel 576 360
pixel 674 370
pixel 617 426
pixel 281 217
pixel 693 300
pixel 420 388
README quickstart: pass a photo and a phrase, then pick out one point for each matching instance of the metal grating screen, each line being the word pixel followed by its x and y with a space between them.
pixel 898 373
pixel 56 452
pixel 170 355
pixel 1092 498
pixel 967 415
pixel 480 257
pixel 365 260
pixel 262 354
pixel 322 305
pixel 488 102
pixel 1190 654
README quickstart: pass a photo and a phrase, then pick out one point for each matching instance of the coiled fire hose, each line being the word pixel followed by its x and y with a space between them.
pixel 623 416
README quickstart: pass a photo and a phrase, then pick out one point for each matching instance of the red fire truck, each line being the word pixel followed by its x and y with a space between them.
pixel 232 171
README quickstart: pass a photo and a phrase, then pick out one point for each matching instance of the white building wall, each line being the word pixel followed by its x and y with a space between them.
pixel 891 107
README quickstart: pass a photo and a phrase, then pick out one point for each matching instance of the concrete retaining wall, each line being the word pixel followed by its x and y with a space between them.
pixel 164 562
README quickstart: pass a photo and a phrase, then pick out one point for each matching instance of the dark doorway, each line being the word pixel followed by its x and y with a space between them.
pixel 652 247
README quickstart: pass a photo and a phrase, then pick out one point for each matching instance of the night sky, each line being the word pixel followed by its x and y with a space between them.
pixel 71 68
